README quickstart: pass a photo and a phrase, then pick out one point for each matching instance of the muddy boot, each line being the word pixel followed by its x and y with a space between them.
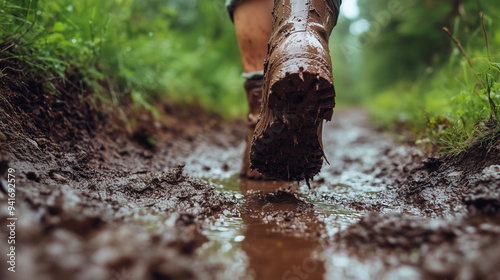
pixel 298 91
pixel 253 88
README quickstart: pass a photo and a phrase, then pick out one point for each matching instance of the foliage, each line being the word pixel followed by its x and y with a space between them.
pixel 179 51
pixel 427 85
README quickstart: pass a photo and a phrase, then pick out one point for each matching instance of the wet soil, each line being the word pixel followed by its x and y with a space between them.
pixel 97 201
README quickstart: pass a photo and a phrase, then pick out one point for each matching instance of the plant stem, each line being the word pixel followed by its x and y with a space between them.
pixel 485 37
pixel 457 43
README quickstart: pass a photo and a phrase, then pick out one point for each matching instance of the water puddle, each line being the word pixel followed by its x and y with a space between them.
pixel 279 230
pixel 286 230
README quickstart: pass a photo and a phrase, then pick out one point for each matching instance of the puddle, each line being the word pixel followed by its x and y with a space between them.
pixel 278 232
pixel 284 230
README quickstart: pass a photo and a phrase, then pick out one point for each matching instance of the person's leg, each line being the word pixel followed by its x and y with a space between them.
pixel 253 21
pixel 253 24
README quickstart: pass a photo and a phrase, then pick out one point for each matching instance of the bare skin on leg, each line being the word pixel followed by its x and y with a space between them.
pixel 253 24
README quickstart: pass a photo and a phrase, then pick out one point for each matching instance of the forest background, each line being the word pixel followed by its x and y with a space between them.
pixel 439 89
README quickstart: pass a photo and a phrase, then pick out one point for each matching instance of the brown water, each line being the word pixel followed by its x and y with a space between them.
pixel 279 233
pixel 282 230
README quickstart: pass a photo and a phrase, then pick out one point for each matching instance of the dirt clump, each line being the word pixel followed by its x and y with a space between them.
pixel 466 248
pixel 485 196
pixel 445 186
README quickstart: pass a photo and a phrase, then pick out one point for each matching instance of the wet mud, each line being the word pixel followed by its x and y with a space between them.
pixel 415 248
pixel 101 204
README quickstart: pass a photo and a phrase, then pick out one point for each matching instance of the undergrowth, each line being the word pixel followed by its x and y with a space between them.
pixel 454 106
pixel 178 52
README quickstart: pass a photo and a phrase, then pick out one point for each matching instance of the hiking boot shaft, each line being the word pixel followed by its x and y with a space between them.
pixel 298 91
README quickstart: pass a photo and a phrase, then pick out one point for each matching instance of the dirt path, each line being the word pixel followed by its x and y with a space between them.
pixel 107 208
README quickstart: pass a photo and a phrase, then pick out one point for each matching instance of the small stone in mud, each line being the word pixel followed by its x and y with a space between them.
pixel 33 142
pixel 57 177
pixel 455 174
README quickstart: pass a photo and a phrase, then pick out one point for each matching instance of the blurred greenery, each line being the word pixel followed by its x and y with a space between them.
pixel 181 52
pixel 393 57
pixel 413 77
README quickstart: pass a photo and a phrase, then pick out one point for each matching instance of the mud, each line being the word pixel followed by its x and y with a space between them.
pixel 90 207
pixel 142 226
pixel 460 248
pixel 97 202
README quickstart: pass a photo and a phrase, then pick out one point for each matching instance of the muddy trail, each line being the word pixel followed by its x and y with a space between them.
pixel 109 206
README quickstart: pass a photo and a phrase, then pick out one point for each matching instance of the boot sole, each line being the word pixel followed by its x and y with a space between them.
pixel 290 147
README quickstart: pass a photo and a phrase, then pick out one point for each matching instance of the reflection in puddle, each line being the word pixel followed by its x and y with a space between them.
pixel 279 233
pixel 282 237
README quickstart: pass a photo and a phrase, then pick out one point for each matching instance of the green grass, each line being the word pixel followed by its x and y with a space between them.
pixel 180 52
pixel 450 108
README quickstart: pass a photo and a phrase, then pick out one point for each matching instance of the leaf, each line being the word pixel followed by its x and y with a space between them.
pixel 59 27
pixel 52 60
pixel 495 65
pixel 54 38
